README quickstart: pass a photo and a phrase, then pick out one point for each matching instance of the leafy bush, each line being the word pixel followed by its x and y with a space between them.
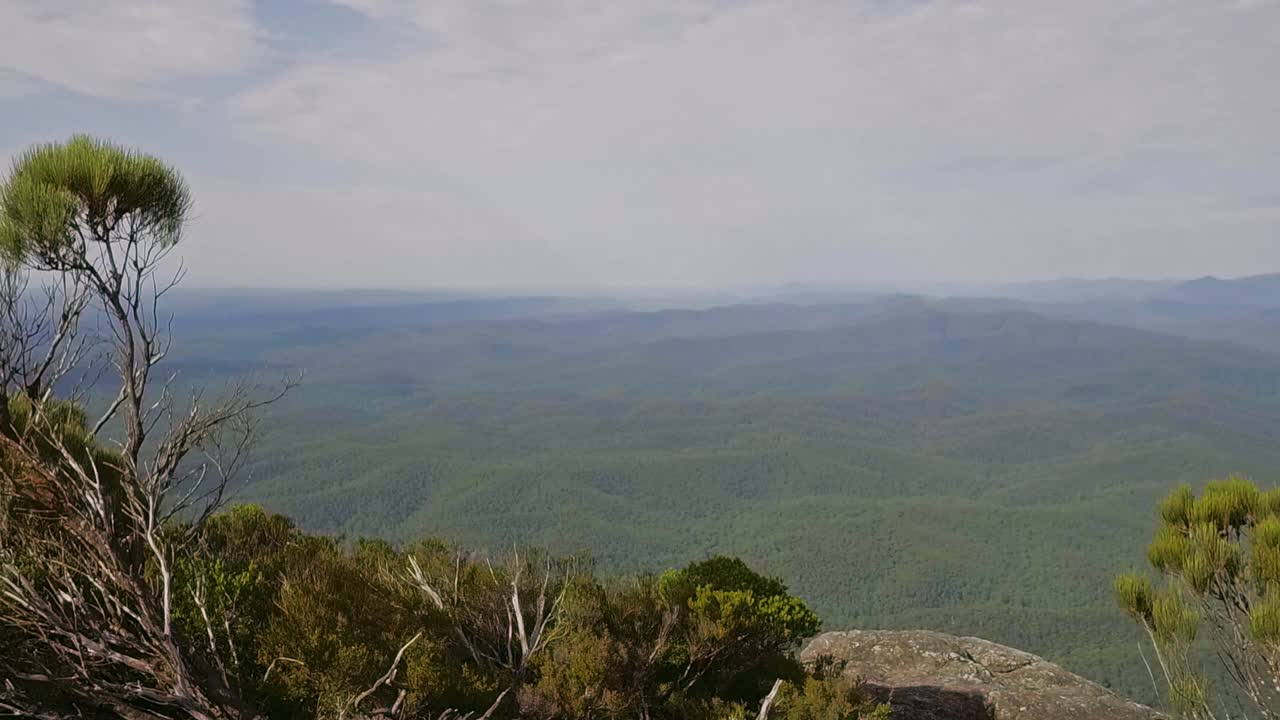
pixel 310 623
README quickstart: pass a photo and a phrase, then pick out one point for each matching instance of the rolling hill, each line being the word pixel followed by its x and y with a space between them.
pixel 970 466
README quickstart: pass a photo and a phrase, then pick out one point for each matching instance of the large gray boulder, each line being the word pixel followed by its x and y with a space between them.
pixel 931 676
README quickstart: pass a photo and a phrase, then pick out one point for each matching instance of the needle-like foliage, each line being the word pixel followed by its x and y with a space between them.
pixel 1220 555
pixel 61 197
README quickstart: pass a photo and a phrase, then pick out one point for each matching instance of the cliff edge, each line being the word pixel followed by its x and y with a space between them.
pixel 932 676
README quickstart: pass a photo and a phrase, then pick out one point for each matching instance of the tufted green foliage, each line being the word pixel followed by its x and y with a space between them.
pixel 1264 621
pixel 1189 693
pixel 1213 539
pixel 1212 557
pixel 1176 509
pixel 1266 552
pixel 61 195
pixel 1135 595
pixel 1220 554
pixel 1173 621
pixel 1168 551
pixel 1229 504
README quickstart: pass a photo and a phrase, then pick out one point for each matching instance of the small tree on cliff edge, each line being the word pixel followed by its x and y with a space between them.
pixel 1220 556
pixel 122 594
pixel 87 568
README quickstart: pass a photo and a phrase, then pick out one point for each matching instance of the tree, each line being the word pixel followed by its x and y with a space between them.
pixel 1220 556
pixel 91 576
pixel 128 590
pixel 742 628
pixel 713 634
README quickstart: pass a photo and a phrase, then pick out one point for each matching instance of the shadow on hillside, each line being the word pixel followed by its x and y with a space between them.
pixel 932 703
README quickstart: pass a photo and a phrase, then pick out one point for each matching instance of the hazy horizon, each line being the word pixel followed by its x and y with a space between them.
pixel 782 285
pixel 618 145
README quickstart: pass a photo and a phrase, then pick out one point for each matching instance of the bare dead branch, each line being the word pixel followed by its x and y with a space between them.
pixel 386 679
pixel 266 675
pixel 100 532
pixel 767 705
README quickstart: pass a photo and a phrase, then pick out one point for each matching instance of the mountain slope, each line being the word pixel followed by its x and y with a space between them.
pixel 966 466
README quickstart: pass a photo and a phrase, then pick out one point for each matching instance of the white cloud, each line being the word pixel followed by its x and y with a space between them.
pixel 126 49
pixel 700 141
pixel 679 142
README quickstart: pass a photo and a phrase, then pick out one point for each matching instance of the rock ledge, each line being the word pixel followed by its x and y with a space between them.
pixel 931 676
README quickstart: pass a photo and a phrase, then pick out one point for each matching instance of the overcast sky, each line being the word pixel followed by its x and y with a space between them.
pixel 678 143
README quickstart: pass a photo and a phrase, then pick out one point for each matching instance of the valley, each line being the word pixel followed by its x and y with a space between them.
pixel 974 466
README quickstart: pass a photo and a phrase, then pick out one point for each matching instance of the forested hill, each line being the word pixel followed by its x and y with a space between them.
pixel 966 466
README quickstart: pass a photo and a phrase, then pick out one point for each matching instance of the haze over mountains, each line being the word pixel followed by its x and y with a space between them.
pixel 572 360
pixel 978 464
pixel 1252 291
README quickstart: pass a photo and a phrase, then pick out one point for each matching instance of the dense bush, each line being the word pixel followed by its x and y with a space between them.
pixel 310 626
pixel 316 621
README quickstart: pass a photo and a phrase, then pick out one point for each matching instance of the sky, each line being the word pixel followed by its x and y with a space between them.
pixel 677 143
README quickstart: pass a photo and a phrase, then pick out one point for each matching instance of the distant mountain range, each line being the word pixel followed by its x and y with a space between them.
pixel 981 464
pixel 1255 291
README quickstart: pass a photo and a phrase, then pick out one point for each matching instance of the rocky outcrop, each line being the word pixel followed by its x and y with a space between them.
pixel 932 676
